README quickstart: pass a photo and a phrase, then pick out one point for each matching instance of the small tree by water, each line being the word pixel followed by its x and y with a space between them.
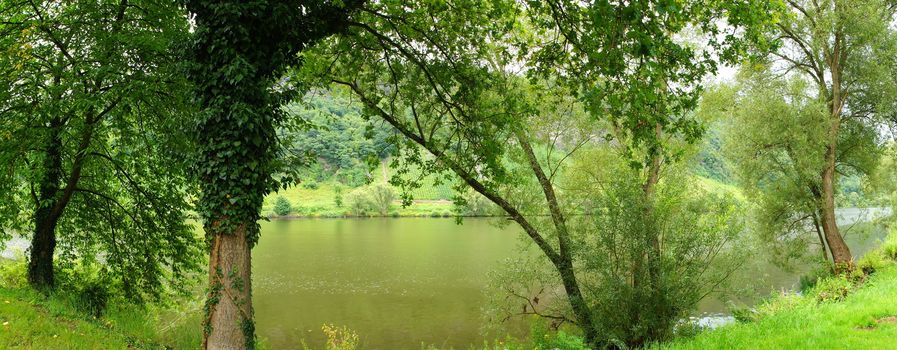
pixel 282 206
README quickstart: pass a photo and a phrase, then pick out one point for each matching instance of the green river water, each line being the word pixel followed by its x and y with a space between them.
pixel 400 282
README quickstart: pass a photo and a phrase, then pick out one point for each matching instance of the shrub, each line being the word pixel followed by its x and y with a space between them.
pixel 832 289
pixel 338 196
pixel 93 297
pixel 311 185
pixel 382 196
pixel 282 206
pixel 544 339
pixel 340 338
pixel 359 202
pixel 889 247
pixel 809 280
pixel 471 203
pixel 435 214
pixel 13 274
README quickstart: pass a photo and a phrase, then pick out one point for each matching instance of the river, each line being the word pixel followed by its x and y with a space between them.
pixel 403 282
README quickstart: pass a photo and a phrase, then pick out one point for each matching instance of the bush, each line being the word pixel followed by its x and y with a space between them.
pixel 889 247
pixel 471 203
pixel 359 202
pixel 14 274
pixel 809 280
pixel 311 185
pixel 832 289
pixel 382 196
pixel 93 297
pixel 338 338
pixel 544 339
pixel 282 206
pixel 338 196
pixel 872 262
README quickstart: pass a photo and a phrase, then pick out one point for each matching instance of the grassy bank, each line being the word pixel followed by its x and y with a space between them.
pixel 845 312
pixel 31 320
pixel 63 320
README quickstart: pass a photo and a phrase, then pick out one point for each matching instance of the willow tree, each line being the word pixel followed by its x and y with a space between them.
pixel 90 147
pixel 238 51
pixel 456 92
pixel 835 80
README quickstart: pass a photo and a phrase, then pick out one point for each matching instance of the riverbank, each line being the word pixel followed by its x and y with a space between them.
pixel 855 312
pixel 332 200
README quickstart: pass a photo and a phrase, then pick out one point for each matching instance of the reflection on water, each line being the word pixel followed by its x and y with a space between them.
pixel 403 282
pixel 761 277
pixel 397 282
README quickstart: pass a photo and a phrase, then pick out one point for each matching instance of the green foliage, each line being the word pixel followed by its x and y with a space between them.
pixel 91 137
pixel 831 289
pixel 282 206
pixel 13 274
pixel 359 202
pixel 312 185
pixel 471 203
pixel 338 196
pixel 543 338
pixel 332 131
pixel 93 298
pixel 809 280
pixel 339 338
pixel 382 195
pixel 636 300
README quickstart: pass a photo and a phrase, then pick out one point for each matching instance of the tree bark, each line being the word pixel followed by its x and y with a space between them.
pixel 229 296
pixel 564 263
pixel 43 242
pixel 840 252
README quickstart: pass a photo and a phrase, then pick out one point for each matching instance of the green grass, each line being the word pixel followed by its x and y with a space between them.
pixel 33 320
pixel 864 320
pixel 717 187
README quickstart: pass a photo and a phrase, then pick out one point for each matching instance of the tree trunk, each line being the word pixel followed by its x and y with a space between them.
pixel 840 251
pixel 824 246
pixel 43 242
pixel 230 295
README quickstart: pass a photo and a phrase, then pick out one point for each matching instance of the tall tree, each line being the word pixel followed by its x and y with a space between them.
pixel 90 152
pixel 844 50
pixel 239 49
pixel 455 91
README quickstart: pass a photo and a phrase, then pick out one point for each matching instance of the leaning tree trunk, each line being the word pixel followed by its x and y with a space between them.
pixel 229 296
pixel 43 242
pixel 840 252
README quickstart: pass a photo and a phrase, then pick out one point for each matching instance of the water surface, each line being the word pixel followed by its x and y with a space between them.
pixel 403 282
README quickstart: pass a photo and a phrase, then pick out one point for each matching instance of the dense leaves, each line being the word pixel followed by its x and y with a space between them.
pixel 91 150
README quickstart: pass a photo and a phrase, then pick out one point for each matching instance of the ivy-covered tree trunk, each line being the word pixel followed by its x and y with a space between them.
pixel 43 242
pixel 230 297
pixel 238 51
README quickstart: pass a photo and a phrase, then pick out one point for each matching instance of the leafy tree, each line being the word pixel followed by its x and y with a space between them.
pixel 382 196
pixel 282 206
pixel 837 70
pixel 359 202
pixel 91 152
pixel 338 196
pixel 453 92
pixel 237 52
